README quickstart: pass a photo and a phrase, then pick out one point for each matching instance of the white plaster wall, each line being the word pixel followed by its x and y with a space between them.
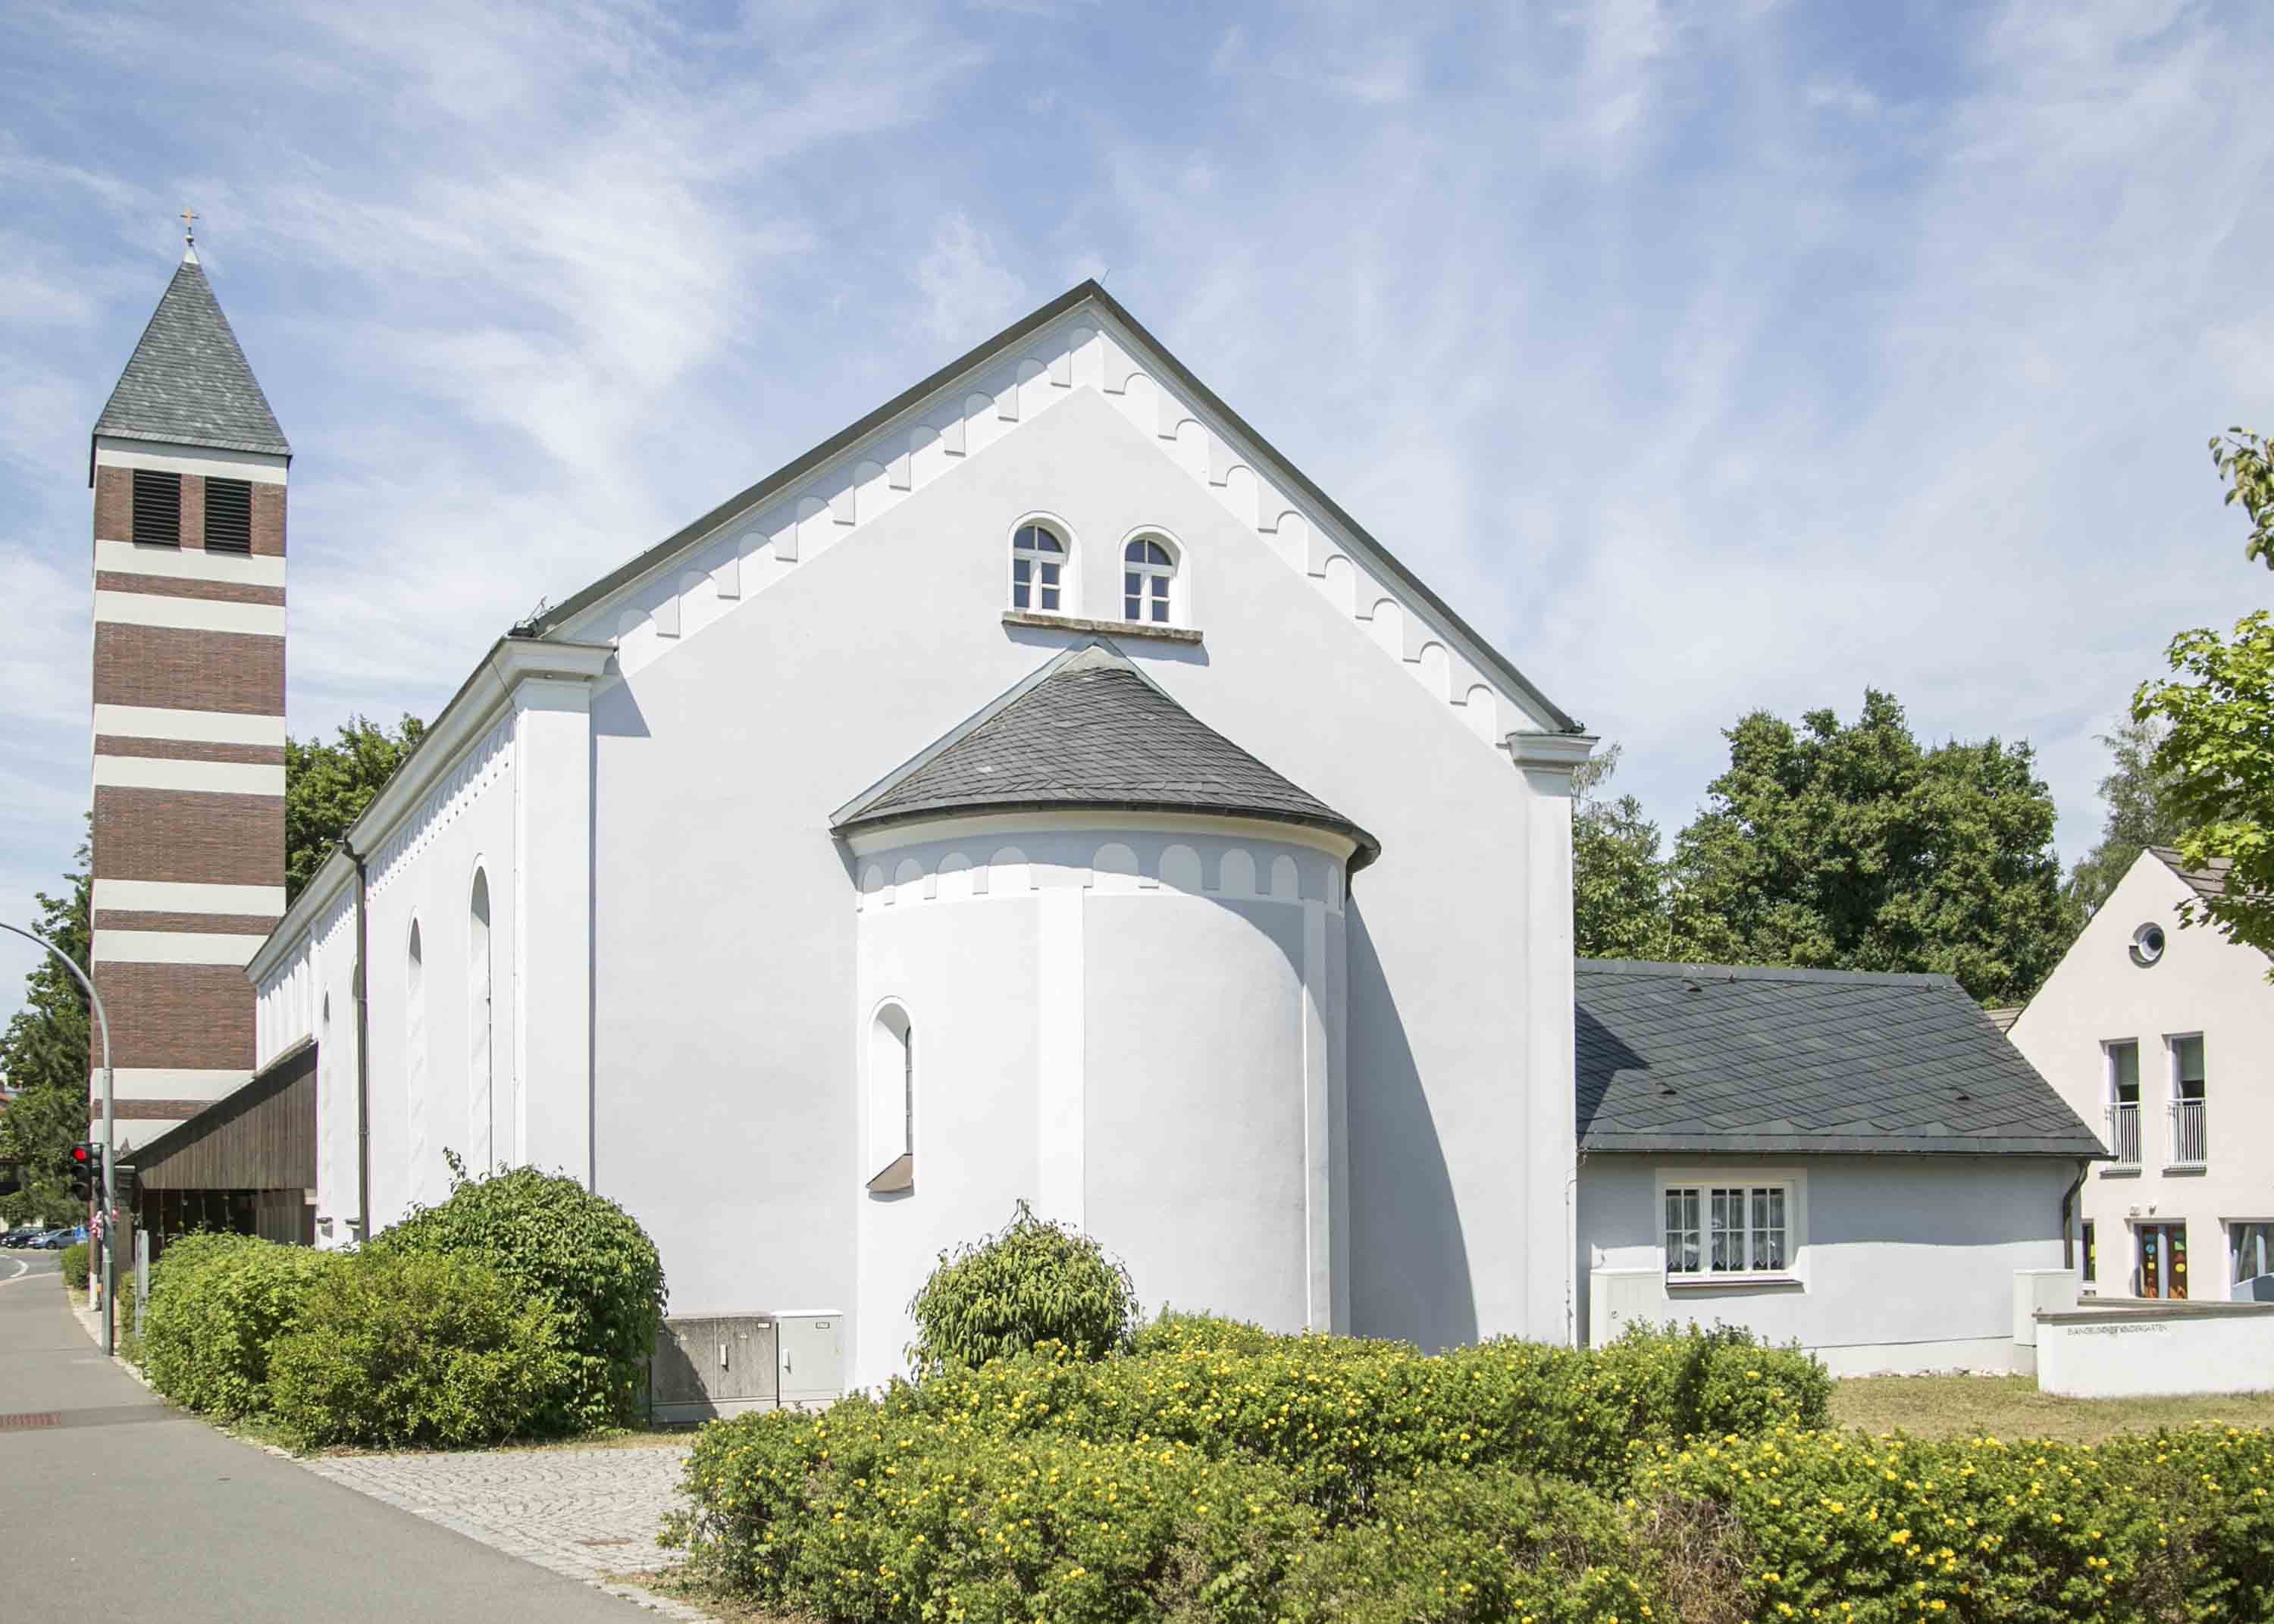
pixel 426 869
pixel 2204 983
pixel 1907 1263
pixel 966 972
pixel 1193 1088
pixel 725 941
pixel 2120 1354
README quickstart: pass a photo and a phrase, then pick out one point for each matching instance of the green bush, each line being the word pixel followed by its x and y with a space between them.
pixel 73 1260
pixel 416 1349
pixel 1337 1414
pixel 1032 1282
pixel 1477 1547
pixel 2143 1527
pixel 582 1256
pixel 217 1304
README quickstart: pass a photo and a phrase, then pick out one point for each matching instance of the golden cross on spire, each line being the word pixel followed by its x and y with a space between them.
pixel 189 225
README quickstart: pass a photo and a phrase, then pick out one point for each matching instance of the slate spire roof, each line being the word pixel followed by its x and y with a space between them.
pixel 1089 730
pixel 188 382
pixel 1702 1059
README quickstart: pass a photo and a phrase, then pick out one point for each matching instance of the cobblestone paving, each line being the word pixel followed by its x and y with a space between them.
pixel 582 1513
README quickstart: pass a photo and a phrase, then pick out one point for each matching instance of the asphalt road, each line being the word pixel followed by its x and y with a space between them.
pixel 145 1512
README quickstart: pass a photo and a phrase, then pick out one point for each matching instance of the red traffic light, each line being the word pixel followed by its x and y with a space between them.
pixel 85 1156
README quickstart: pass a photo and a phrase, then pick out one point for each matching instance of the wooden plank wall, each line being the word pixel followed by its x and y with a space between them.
pixel 263 1137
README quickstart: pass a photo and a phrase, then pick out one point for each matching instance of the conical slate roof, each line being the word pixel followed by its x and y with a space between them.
pixel 1090 731
pixel 188 382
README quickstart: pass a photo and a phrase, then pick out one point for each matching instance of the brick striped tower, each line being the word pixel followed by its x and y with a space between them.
pixel 188 467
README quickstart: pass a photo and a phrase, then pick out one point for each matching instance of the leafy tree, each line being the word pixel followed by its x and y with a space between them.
pixel 1618 879
pixel 2218 758
pixel 1854 847
pixel 2140 815
pixel 2246 462
pixel 326 787
pixel 44 1053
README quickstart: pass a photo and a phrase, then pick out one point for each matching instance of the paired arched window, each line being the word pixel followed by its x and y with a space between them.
pixel 1147 571
pixel 892 1100
pixel 1038 566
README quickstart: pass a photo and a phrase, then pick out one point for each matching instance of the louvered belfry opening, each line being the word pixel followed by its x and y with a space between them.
pixel 228 516
pixel 157 508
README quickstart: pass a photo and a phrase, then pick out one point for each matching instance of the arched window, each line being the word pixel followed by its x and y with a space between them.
pixel 414 1057
pixel 1038 562
pixel 892 1100
pixel 481 1124
pixel 1146 569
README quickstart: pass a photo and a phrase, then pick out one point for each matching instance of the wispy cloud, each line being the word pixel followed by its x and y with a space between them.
pixel 1707 356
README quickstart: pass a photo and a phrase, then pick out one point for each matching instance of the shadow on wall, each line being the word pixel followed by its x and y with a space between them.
pixel 1408 1261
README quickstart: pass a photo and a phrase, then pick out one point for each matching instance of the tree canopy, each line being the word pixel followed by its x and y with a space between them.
pixel 2218 759
pixel 44 1053
pixel 2246 462
pixel 2140 812
pixel 1618 879
pixel 1832 846
pixel 326 787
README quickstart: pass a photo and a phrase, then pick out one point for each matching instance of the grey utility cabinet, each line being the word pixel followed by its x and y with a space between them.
pixel 812 1357
pixel 715 1365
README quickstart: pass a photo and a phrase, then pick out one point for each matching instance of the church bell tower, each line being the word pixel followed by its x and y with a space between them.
pixel 188 466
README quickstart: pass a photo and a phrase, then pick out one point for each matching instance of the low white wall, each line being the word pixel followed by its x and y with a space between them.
pixel 2172 1349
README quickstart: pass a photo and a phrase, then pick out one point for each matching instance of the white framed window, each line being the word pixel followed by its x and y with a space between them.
pixel 2250 1258
pixel 1040 566
pixel 1149 574
pixel 1733 1229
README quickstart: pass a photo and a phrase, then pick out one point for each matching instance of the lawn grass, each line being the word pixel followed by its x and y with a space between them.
pixel 2012 1407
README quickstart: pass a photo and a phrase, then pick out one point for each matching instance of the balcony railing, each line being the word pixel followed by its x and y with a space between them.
pixel 2188 1141
pixel 2124 1134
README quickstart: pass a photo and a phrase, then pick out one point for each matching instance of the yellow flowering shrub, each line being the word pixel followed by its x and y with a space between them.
pixel 2162 1526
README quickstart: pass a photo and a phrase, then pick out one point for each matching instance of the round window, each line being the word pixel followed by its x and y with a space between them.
pixel 2146 945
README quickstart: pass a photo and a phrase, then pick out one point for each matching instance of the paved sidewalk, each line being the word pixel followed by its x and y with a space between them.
pixel 163 1517
pixel 581 1512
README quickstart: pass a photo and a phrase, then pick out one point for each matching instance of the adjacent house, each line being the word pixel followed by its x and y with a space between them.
pixel 1859 1163
pixel 2160 1037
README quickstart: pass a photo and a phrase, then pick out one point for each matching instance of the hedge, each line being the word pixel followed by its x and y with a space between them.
pixel 585 1258
pixel 218 1304
pixel 1032 1282
pixel 73 1262
pixel 2172 1525
pixel 1317 1435
pixel 398 1350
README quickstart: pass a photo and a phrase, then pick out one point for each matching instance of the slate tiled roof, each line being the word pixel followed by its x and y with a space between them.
pixel 1692 1058
pixel 188 382
pixel 2208 882
pixel 1089 730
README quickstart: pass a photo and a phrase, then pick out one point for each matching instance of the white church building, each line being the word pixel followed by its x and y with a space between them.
pixel 1040 790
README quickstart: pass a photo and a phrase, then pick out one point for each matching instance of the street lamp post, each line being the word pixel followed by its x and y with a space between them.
pixel 110 1187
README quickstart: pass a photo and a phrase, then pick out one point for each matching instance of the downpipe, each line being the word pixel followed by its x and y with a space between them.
pixel 363 1043
pixel 2069 1207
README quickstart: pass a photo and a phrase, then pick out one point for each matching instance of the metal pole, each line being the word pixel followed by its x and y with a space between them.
pixel 109 1193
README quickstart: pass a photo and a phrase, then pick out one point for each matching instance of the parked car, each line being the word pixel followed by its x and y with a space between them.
pixel 56 1240
pixel 17 1239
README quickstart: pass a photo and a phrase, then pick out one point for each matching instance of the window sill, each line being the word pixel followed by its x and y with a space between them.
pixel 2122 1170
pixel 1722 1283
pixel 2186 1169
pixel 1104 629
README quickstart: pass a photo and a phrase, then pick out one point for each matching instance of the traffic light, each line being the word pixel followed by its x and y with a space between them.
pixel 85 1172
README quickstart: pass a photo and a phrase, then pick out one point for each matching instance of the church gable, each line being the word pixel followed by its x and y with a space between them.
pixel 1083 340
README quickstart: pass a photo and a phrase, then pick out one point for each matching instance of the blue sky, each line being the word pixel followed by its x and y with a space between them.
pixel 1707 357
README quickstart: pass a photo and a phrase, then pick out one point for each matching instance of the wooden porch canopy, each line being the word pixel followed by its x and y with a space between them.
pixel 246 1162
